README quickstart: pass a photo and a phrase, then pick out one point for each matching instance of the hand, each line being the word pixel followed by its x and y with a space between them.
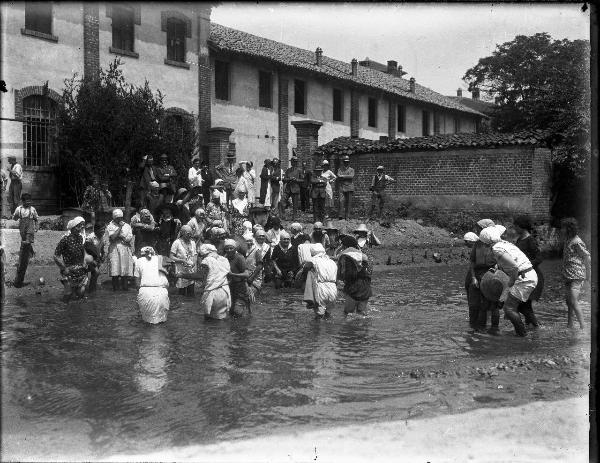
pixel 474 282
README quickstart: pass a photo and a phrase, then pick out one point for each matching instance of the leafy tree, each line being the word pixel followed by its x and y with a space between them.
pixel 107 125
pixel 540 83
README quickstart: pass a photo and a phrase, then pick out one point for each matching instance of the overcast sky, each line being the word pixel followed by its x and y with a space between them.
pixel 435 43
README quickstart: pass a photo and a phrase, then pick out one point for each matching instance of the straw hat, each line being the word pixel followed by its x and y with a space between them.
pixel 361 228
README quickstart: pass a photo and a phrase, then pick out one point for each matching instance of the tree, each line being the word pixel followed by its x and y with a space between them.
pixel 540 83
pixel 107 125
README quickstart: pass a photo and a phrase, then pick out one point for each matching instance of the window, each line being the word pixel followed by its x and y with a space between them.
pixel 338 105
pixel 401 118
pixel 299 96
pixel 425 123
pixel 265 89
pixel 176 30
pixel 372 112
pixel 38 17
pixel 436 123
pixel 122 28
pixel 456 125
pixel 39 113
pixel 221 80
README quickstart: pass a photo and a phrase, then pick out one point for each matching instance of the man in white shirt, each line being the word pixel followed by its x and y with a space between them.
pixel 194 175
pixel 15 173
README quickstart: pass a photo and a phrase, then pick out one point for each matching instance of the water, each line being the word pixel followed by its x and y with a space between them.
pixel 138 387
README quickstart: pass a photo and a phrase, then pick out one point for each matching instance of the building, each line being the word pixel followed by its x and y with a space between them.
pixel 256 89
pixel 484 107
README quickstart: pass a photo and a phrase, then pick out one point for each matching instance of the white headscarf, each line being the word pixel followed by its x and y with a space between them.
pixel 484 223
pixel 74 222
pixel 470 236
pixel 491 235
pixel 117 213
pixel 206 249
pixel 316 249
pixel 230 242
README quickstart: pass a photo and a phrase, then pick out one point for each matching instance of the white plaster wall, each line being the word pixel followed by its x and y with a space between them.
pixel 179 86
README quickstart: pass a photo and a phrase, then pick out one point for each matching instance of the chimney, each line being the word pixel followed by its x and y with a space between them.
pixel 400 72
pixel 392 67
pixel 354 67
pixel 459 92
pixel 475 93
pixel 319 54
pixel 412 85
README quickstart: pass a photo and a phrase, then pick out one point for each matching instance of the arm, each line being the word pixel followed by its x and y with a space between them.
pixel 389 179
pixel 507 265
pixel 474 281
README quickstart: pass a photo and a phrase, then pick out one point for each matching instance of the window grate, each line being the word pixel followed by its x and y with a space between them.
pixel 122 28
pixel 39 113
pixel 176 30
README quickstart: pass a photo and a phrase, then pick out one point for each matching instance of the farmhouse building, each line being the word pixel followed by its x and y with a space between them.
pixel 257 88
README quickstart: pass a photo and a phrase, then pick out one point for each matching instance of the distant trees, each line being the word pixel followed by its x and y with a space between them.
pixel 107 125
pixel 540 83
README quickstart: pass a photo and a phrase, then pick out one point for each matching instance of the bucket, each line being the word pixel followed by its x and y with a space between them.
pixel 492 284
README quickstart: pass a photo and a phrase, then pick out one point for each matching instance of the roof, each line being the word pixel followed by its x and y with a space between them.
pixel 226 39
pixel 348 145
pixel 483 107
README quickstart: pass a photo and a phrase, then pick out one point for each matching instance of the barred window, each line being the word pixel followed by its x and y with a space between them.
pixel 122 28
pixel 299 96
pixel 38 17
pixel 176 40
pixel 39 113
pixel 221 80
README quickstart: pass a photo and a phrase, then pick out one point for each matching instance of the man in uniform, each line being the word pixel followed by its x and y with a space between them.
pixel 378 185
pixel 345 177
pixel 318 194
pixel 166 176
pixel 292 187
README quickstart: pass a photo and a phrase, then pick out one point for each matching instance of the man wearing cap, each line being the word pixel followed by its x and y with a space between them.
pixel 15 173
pixel 166 177
pixel 345 178
pixel 292 180
pixel 226 171
pixel 378 185
pixel 305 188
pixel 318 194
pixel 69 256
pixel 276 177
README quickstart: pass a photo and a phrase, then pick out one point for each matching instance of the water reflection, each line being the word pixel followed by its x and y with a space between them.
pixel 188 381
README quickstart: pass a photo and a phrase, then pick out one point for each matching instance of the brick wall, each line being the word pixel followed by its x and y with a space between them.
pixel 91 41
pixel 505 180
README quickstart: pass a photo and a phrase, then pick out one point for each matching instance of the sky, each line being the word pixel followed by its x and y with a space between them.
pixel 434 43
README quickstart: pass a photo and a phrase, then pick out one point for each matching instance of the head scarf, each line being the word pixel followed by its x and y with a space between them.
pixel 199 212
pixel 247 225
pixel 145 214
pixel 186 229
pixel 502 229
pixel 74 222
pixel 117 213
pixel 284 234
pixel 472 237
pixel 296 226
pixel 216 195
pixel 217 224
pixel 217 231
pixel 206 249
pixel 230 242
pixel 318 225
pixel 316 249
pixel 484 223
pixel 147 251
pixel 260 232
pixel 491 235
pixel 248 235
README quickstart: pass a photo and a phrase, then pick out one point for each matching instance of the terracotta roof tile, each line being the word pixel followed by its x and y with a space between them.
pixel 349 146
pixel 234 41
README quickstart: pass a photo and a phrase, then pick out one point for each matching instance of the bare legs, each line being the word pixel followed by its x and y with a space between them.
pixel 573 290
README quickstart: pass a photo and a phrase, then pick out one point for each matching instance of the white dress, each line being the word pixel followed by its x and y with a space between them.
pixel 153 297
pixel 181 250
pixel 120 251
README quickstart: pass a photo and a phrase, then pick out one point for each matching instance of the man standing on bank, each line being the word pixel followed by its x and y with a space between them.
pixel 345 177
pixel 15 173
pixel 226 171
pixel 292 187
pixel 318 194
pixel 378 185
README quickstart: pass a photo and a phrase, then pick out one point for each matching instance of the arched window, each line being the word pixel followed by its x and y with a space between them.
pixel 39 124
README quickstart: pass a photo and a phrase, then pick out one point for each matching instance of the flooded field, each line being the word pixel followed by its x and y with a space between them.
pixel 95 371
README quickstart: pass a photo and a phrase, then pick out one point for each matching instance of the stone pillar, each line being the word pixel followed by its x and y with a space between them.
pixel 392 123
pixel 307 140
pixel 91 41
pixel 354 122
pixel 204 82
pixel 283 120
pixel 218 145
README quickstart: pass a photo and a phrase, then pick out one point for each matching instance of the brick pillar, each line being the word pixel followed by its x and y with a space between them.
pixel 392 123
pixel 307 140
pixel 91 41
pixel 283 121
pixel 541 177
pixel 204 83
pixel 218 145
pixel 354 123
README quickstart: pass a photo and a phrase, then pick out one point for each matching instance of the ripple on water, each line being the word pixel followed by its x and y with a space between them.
pixel 189 381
